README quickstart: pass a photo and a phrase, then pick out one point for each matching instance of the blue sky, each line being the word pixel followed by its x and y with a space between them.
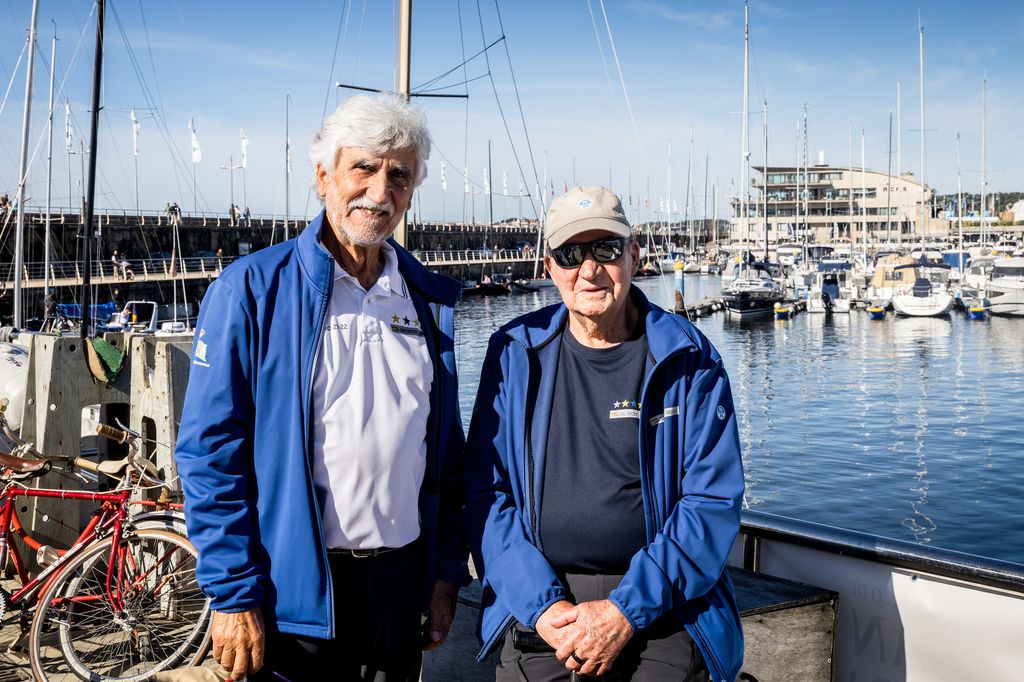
pixel 229 65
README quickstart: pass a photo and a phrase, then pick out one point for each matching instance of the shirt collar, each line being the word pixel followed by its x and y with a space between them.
pixel 390 280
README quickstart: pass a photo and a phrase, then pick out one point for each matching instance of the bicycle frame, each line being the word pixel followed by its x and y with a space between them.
pixel 111 516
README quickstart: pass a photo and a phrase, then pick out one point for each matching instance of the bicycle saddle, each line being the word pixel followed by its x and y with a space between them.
pixel 34 467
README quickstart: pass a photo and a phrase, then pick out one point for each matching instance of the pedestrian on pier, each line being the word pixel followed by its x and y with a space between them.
pixel 247 217
pixel 604 478
pixel 320 448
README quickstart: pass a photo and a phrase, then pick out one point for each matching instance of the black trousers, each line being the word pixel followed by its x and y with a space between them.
pixel 663 652
pixel 377 623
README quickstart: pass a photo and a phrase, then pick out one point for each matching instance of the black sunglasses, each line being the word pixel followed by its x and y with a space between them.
pixel 604 250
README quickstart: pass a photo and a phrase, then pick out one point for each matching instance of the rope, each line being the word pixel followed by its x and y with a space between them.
pixel 625 92
pixel 604 62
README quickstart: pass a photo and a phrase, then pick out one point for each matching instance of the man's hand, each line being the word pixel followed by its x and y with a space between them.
pixel 551 634
pixel 441 613
pixel 238 640
pixel 601 633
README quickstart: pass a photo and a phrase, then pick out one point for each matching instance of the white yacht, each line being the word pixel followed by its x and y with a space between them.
pixel 928 296
pixel 832 290
pixel 887 278
pixel 1005 287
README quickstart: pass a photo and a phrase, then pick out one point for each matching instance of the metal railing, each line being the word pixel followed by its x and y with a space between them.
pixel 475 256
pixel 66 273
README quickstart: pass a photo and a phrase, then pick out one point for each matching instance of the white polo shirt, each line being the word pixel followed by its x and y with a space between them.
pixel 371 400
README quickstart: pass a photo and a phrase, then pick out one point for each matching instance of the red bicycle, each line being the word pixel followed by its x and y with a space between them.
pixel 122 603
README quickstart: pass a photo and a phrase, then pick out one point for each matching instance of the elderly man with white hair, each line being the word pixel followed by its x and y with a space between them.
pixel 320 445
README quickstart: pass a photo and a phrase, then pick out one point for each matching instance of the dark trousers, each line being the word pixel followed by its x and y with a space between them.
pixel 378 631
pixel 661 653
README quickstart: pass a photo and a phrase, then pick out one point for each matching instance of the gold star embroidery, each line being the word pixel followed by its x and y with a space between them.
pixel 395 319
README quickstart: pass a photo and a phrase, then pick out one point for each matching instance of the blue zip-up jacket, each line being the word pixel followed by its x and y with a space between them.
pixel 691 482
pixel 243 449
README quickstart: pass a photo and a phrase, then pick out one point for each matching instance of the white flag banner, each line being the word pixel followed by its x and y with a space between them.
pixel 245 147
pixel 465 180
pixel 520 187
pixel 661 205
pixel 135 134
pixel 675 206
pixel 288 155
pixel 504 182
pixel 69 133
pixel 487 183
pixel 444 183
pixel 197 153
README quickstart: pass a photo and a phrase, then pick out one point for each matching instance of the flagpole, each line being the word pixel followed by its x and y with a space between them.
pixel 135 149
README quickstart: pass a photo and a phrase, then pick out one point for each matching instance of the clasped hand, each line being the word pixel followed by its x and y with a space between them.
pixel 595 631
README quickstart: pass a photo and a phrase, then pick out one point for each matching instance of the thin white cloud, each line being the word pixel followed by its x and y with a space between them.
pixel 710 20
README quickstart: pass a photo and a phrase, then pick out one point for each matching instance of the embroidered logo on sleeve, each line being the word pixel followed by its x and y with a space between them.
pixel 406 325
pixel 625 409
pixel 669 412
pixel 200 355
pixel 720 413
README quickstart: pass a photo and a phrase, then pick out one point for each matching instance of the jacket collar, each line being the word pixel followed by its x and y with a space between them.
pixel 666 332
pixel 318 265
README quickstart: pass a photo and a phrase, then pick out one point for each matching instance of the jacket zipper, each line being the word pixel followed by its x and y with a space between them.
pixel 655 511
pixel 308 455
pixel 489 644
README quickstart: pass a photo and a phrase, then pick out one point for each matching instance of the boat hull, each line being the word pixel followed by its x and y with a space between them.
pixel 933 305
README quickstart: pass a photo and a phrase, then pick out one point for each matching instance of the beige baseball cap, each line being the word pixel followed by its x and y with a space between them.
pixel 582 209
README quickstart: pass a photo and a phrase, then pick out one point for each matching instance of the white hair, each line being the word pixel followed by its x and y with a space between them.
pixel 381 124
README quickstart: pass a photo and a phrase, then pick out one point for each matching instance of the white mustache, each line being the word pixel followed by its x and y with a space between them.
pixel 364 203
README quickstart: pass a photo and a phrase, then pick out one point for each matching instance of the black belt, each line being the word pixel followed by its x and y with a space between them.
pixel 360 553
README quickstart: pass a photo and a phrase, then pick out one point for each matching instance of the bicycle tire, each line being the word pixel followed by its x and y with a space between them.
pixel 77 633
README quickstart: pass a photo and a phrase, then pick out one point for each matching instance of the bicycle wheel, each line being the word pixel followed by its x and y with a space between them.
pixel 152 618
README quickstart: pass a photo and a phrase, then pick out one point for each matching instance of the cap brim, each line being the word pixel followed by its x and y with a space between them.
pixel 590 224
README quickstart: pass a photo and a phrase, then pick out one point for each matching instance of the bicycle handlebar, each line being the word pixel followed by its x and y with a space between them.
pixel 89 465
pixel 113 434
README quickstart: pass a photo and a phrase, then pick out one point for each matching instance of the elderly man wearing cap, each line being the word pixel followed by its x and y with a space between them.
pixel 604 474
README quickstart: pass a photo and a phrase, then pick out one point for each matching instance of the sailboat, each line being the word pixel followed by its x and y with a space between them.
pixel 754 292
pixel 928 295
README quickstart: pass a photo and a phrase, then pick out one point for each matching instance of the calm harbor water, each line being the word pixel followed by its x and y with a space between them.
pixel 910 428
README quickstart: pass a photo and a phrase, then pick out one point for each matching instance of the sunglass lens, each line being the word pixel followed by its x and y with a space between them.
pixel 568 256
pixel 607 250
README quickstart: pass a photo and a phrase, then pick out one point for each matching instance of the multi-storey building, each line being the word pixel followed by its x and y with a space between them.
pixel 825 203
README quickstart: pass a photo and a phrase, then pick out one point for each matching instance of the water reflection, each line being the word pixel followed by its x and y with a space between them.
pixel 904 427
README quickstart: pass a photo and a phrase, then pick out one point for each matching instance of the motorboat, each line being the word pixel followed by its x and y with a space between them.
pixel 832 290
pixel 1005 287
pixel 753 293
pixel 929 295
pixel 889 276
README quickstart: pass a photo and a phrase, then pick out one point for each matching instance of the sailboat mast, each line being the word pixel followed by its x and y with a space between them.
pixel 90 209
pixel 921 78
pixel 49 171
pixel 863 202
pixel 287 166
pixel 899 157
pixel 745 151
pixel 959 208
pixel 404 64
pixel 764 185
pixel 984 155
pixel 19 240
pixel 888 188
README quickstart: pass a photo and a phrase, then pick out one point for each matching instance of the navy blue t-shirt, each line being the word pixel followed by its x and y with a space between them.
pixel 591 513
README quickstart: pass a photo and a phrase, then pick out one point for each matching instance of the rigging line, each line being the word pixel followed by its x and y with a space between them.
pixel 625 92
pixel 10 84
pixel 149 50
pixel 359 41
pixel 497 99
pixel 342 29
pixel 604 62
pixel 522 116
pixel 446 87
pixel 449 161
pixel 458 66
pixel 177 158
